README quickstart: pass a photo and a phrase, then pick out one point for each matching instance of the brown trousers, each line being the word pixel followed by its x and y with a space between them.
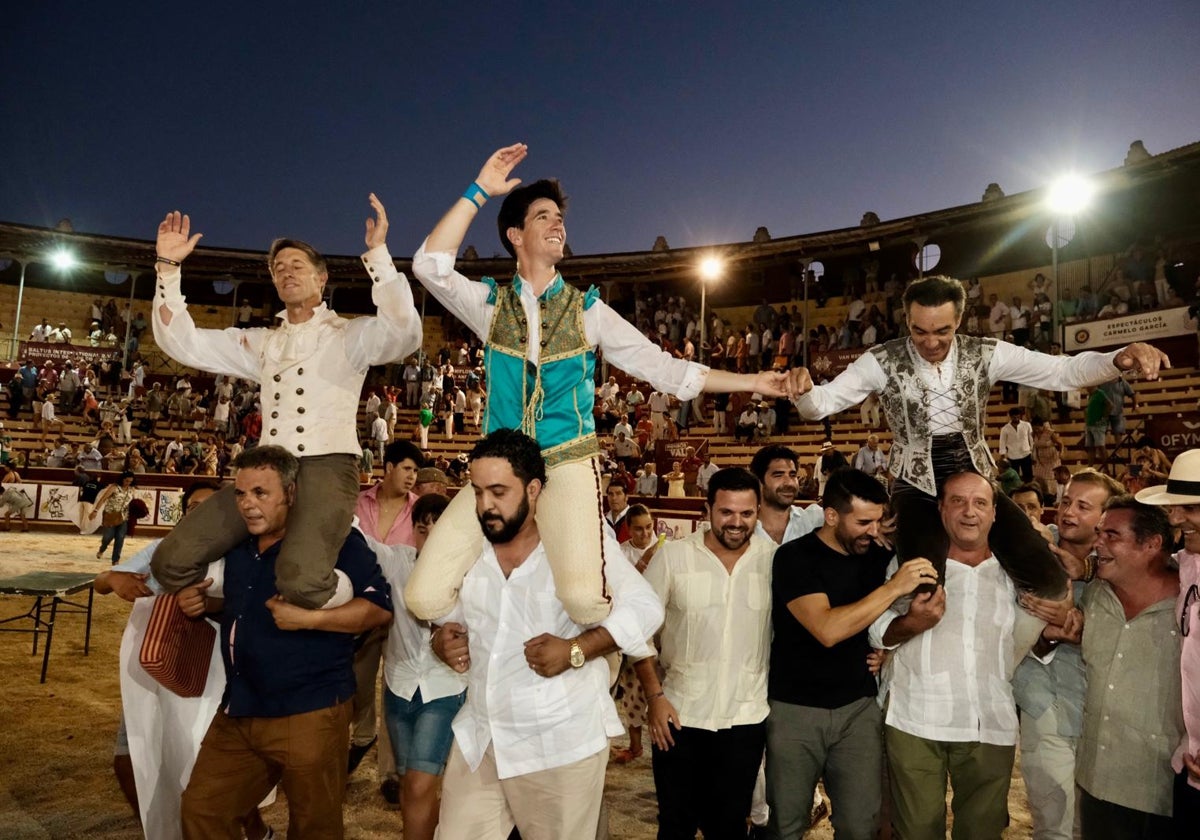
pixel 241 759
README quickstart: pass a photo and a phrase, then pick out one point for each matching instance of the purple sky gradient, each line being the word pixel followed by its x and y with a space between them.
pixel 697 121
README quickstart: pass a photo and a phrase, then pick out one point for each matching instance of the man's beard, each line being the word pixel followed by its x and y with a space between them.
pixel 732 542
pixel 852 545
pixel 508 528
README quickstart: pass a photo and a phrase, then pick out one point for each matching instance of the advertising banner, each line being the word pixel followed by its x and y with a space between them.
pixel 1141 326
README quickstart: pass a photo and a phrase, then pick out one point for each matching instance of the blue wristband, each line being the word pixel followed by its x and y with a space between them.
pixel 473 191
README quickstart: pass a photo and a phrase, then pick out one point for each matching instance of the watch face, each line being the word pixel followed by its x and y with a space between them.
pixel 576 656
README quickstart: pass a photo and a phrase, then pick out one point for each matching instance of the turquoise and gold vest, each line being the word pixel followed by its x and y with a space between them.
pixel 553 401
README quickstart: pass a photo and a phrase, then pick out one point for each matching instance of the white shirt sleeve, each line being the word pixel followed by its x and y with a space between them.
pixel 1056 373
pixel 880 625
pixel 635 354
pixel 466 299
pixel 232 351
pixel 395 330
pixel 637 612
pixel 850 387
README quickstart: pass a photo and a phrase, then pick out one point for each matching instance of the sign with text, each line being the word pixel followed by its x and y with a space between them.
pixel 830 363
pixel 1141 326
pixel 1174 434
pixel 79 355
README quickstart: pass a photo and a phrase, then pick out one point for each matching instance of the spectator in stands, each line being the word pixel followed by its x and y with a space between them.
pixel 1020 317
pixel 954 374
pixel 431 480
pixel 1117 390
pixel 318 412
pixel 49 418
pixel 1048 450
pixel 997 316
pixel 1016 443
pixel 647 481
pixel 555 405
pixel 747 424
pixel 871 460
pixel 371 411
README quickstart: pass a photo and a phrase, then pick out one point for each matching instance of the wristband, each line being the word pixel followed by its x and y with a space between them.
pixel 159 259
pixel 473 191
pixel 655 696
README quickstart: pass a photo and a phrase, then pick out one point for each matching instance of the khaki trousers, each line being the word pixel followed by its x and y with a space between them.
pixel 555 804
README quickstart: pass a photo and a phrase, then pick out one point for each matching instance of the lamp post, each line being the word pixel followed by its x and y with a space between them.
pixel 710 269
pixel 1065 197
pixel 16 334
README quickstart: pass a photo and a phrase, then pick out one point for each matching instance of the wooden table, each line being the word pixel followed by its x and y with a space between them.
pixel 49 591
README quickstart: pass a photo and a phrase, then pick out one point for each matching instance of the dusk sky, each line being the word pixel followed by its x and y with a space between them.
pixel 697 121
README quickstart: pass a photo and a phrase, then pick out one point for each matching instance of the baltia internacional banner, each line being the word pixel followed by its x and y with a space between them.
pixel 1142 326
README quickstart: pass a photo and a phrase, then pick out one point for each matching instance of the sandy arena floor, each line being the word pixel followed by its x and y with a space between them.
pixel 56 746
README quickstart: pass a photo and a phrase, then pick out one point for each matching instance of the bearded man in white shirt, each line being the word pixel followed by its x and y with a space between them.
pixel 311 371
pixel 709 711
pixel 531 742
pixel 951 709
pixel 933 387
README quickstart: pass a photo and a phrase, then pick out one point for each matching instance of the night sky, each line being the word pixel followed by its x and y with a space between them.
pixel 697 121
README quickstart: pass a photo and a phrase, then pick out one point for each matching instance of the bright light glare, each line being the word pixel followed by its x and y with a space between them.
pixel 1069 194
pixel 710 268
pixel 62 259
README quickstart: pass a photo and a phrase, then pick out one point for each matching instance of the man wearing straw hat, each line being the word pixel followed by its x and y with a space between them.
pixel 1181 496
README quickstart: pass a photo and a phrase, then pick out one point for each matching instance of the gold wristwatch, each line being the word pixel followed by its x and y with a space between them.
pixel 577 657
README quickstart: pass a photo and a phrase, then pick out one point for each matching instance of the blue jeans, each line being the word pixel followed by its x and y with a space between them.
pixel 116 536
pixel 420 731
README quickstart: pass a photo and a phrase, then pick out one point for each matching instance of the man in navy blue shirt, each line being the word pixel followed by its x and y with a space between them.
pixel 285 716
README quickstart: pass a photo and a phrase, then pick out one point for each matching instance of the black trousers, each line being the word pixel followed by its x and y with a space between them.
pixel 1102 820
pixel 1021 551
pixel 1186 808
pixel 706 781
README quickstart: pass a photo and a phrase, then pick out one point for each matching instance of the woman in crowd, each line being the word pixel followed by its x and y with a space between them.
pixel 113 505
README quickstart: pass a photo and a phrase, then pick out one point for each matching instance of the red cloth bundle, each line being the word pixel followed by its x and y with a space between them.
pixel 177 649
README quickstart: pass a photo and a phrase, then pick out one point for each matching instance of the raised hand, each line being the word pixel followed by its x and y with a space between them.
pixel 493 178
pixel 377 228
pixel 1143 358
pixel 175 238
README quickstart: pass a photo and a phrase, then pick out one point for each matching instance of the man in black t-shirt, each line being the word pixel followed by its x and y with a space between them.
pixel 827 587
